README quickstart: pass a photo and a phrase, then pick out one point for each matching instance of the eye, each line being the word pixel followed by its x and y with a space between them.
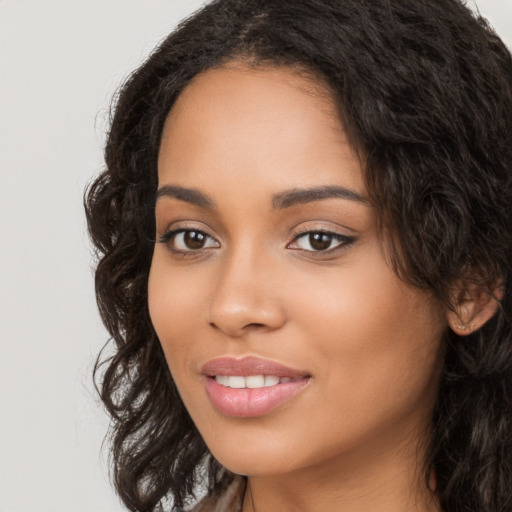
pixel 188 240
pixel 320 241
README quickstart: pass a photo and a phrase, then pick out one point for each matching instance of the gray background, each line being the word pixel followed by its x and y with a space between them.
pixel 60 62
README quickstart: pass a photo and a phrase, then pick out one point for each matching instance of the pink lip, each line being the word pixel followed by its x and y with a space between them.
pixel 248 366
pixel 245 402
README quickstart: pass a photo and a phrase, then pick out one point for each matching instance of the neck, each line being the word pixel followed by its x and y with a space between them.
pixel 374 479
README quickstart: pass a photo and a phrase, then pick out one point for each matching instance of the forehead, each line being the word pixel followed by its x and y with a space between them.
pixel 244 122
pixel 281 87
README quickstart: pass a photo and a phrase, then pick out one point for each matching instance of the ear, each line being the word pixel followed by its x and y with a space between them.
pixel 472 307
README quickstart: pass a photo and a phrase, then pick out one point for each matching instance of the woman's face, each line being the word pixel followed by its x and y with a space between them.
pixel 291 340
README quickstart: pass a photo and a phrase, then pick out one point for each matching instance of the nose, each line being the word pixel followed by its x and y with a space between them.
pixel 246 297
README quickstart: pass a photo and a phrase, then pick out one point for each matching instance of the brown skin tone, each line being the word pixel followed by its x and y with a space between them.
pixel 354 439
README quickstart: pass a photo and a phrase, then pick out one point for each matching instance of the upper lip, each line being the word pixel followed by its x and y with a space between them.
pixel 247 366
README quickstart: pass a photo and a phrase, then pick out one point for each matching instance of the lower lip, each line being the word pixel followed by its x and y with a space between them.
pixel 247 402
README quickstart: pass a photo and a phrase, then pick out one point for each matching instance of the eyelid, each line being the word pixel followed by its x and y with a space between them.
pixel 175 229
pixel 344 239
pixel 182 225
pixel 171 233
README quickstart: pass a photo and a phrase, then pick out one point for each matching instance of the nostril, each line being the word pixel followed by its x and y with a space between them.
pixel 236 315
pixel 246 327
pixel 255 326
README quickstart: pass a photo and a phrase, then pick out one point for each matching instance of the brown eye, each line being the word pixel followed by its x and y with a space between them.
pixel 188 240
pixel 194 239
pixel 320 241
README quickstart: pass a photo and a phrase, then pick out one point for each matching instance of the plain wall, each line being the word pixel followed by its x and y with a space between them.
pixel 60 62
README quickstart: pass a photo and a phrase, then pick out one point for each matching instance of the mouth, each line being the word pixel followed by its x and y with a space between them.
pixel 251 381
pixel 251 386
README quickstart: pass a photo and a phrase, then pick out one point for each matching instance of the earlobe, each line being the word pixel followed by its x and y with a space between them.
pixel 472 308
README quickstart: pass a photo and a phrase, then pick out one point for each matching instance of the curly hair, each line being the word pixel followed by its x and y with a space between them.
pixel 425 93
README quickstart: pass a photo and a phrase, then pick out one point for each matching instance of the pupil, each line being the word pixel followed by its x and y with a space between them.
pixel 194 240
pixel 320 241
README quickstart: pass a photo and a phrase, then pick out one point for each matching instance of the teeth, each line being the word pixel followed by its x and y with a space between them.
pixel 236 382
pixel 251 381
pixel 255 381
pixel 222 379
pixel 271 380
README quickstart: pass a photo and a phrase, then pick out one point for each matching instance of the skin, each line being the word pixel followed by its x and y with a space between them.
pixel 355 437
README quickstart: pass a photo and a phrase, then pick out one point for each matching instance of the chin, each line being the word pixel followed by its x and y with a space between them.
pixel 259 465
pixel 255 454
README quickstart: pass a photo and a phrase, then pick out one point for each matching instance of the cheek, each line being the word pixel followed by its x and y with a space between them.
pixel 175 300
pixel 373 335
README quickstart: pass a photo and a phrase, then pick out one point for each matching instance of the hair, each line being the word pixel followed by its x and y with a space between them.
pixel 424 89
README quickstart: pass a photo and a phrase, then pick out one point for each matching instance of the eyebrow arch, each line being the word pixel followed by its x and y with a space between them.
pixel 308 195
pixel 189 195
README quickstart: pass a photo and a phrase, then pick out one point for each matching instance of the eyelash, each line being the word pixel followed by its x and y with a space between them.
pixel 170 237
pixel 344 241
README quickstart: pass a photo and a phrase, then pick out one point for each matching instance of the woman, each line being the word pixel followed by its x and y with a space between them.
pixel 305 239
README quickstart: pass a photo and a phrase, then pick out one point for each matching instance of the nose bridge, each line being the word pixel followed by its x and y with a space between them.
pixel 244 296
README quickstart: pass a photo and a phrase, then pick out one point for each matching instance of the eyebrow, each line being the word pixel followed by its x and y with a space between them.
pixel 282 200
pixel 308 195
pixel 189 195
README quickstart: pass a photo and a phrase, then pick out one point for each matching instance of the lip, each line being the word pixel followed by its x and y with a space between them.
pixel 249 366
pixel 245 402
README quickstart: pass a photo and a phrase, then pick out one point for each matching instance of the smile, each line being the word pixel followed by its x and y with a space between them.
pixel 251 386
pixel 251 381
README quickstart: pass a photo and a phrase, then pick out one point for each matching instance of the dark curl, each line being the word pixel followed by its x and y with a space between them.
pixel 424 89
